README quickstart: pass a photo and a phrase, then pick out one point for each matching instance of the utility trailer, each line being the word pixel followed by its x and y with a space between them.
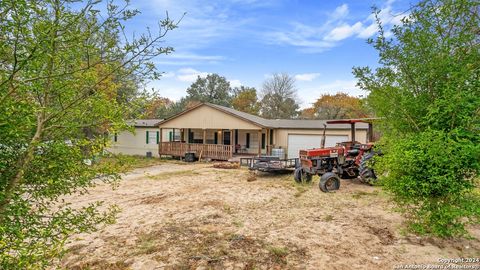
pixel 269 164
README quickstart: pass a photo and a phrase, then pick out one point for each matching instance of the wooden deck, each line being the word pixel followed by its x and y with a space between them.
pixel 213 151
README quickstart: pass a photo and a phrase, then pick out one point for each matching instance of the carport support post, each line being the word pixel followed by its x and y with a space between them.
pixel 260 142
pixel 370 132
pixel 353 131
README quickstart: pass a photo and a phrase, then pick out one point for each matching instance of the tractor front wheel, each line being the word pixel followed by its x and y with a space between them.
pixel 301 176
pixel 297 175
pixel 329 182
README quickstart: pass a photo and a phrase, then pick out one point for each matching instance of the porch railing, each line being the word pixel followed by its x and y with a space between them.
pixel 213 151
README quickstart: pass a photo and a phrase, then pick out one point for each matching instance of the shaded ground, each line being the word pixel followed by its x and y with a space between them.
pixel 194 216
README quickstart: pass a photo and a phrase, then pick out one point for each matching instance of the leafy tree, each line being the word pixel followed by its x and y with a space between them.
pixel 157 107
pixel 427 92
pixel 63 68
pixel 245 100
pixel 279 97
pixel 338 106
pixel 213 89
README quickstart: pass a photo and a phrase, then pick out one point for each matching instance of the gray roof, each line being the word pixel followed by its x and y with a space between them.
pixel 145 122
pixel 287 123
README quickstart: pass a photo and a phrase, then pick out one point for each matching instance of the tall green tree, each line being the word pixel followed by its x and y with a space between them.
pixel 64 68
pixel 279 97
pixel 427 90
pixel 213 88
pixel 245 100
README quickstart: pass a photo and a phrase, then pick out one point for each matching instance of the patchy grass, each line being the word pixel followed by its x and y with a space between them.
pixel 280 253
pixel 360 194
pixel 205 246
pixel 102 264
pixel 168 175
pixel 328 218
pixel 147 243
pixel 128 163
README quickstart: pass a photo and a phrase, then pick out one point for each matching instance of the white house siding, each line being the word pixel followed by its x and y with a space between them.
pixel 135 143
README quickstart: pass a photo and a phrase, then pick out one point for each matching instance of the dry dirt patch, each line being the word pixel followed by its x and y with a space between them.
pixel 198 217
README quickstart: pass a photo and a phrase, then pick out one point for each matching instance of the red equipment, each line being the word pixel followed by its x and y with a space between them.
pixel 346 159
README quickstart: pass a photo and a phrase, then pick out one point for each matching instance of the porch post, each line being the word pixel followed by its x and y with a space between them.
pixel 160 143
pixel 267 141
pixel 232 143
pixel 260 142
pixel 204 136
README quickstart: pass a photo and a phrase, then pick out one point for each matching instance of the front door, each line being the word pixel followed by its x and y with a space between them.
pixel 226 137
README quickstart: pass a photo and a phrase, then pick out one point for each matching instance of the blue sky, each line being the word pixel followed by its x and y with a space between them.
pixel 317 42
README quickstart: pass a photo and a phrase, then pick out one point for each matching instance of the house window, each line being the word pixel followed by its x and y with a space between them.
pixel 247 144
pixel 151 137
pixel 263 140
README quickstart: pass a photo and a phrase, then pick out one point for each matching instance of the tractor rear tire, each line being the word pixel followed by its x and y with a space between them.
pixel 329 182
pixel 367 175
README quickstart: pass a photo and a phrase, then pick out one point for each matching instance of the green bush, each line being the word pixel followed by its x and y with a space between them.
pixel 432 175
pixel 426 91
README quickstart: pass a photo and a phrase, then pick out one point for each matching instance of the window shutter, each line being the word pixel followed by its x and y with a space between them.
pixel 263 140
pixel 146 138
pixel 170 136
pixel 248 141
pixel 158 136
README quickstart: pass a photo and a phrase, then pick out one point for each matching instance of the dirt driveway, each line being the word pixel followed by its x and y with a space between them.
pixel 193 216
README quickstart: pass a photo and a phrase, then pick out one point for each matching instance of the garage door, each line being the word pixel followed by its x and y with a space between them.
pixel 297 142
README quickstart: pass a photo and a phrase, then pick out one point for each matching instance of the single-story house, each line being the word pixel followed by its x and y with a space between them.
pixel 219 132
pixel 144 138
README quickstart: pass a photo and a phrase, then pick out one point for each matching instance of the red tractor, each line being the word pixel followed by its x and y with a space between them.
pixel 345 160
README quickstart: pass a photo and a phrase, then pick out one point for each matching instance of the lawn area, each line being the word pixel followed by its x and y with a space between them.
pixel 193 216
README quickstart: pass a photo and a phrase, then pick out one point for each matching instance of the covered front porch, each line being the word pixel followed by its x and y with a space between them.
pixel 216 144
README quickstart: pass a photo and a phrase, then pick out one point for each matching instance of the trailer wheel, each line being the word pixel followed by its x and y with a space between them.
pixel 297 175
pixel 329 182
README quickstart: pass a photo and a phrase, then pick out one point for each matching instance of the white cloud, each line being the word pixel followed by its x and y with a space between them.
pixel 168 74
pixel 307 76
pixel 319 38
pixel 190 74
pixel 235 83
pixel 340 12
pixel 344 31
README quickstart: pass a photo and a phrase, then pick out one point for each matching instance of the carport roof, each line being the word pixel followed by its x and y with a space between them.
pixel 275 123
